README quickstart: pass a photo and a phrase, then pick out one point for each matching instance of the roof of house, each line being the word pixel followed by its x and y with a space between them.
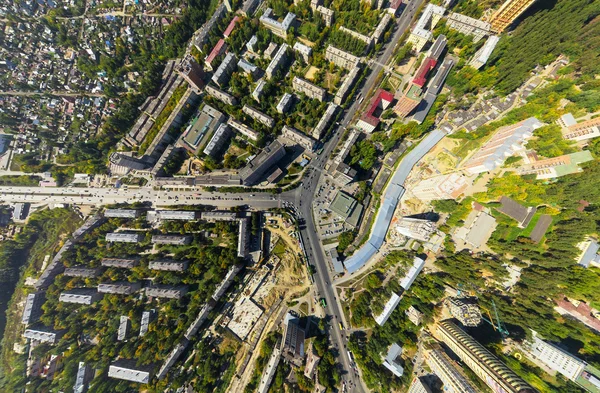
pixel 216 50
pixel 421 75
pixel 382 95
pixel 231 26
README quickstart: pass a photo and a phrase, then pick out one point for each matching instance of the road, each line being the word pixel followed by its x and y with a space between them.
pixel 301 198
pixel 105 196
pixel 304 196
pixel 52 93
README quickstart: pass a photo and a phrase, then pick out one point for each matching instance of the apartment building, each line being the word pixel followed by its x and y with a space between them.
pixel 485 365
pixel 280 29
pixel 259 116
pixel 311 90
pixel 221 95
pixel 297 137
pixel 225 69
pixel 341 58
pixel 448 371
pixel 469 26
pixel 583 131
pixel 507 13
pixel 278 61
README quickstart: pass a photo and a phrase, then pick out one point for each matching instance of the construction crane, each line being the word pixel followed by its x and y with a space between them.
pixel 494 320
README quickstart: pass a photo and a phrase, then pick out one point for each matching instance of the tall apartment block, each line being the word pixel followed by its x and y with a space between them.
pixel 508 12
pixel 448 372
pixel 192 72
pixel 486 366
pixel 311 90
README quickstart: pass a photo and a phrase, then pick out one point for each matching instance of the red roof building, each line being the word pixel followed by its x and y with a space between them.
pixel 421 75
pixel 217 50
pixel 368 121
pixel 580 311
pixel 231 26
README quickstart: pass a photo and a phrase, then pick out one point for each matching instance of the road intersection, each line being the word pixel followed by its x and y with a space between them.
pixel 300 199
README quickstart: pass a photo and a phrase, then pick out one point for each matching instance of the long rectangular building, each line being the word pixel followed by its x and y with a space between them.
pixel 467 25
pixel 183 215
pixel 324 122
pixel 178 240
pixel 120 287
pixel 128 371
pixel 85 296
pixel 243 129
pixel 503 143
pixel 346 87
pixel 310 89
pixel 486 366
pixel 219 215
pixel 296 136
pixel 33 307
pixel 270 155
pixel 171 266
pixel 121 213
pixel 123 263
pixel 278 61
pixel 43 335
pixel 259 116
pixel 221 95
pixel 123 237
pixel 167 292
pixel 341 58
pixel 448 371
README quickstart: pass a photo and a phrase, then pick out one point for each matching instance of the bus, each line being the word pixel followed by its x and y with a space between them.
pixel 323 302
pixel 320 151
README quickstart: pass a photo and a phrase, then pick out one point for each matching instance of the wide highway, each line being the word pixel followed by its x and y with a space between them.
pixel 303 201
pixel 107 196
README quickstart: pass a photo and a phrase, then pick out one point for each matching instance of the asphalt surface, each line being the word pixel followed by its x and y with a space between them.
pixel 301 199
pixel 106 196
pixel 303 202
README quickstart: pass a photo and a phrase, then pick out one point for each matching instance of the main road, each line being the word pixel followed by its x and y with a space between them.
pixel 302 198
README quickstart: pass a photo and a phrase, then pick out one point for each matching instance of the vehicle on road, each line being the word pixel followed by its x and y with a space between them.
pixel 323 302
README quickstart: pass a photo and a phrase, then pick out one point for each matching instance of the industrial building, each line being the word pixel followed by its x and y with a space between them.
pixel 128 371
pixel 167 292
pixel 128 263
pixel 341 58
pixel 178 240
pixel 226 68
pixel 124 237
pixel 523 215
pixel 198 133
pixel 85 296
pixel 121 213
pixel 170 265
pixel 415 228
pixel 465 310
pixel 120 287
pixel 449 186
pixel 299 138
pixel 485 365
pixel 259 165
pixel 278 28
pixel 124 324
pixel 412 273
pixel 388 309
pixel 477 229
pixel 505 142
pixel 33 308
pixel 219 141
pixel 259 116
pixel 324 121
pixel 507 13
pixel 393 360
pixel 284 103
pixel 278 61
pixel 309 89
pixel 243 129
pixel 183 215
pixel 370 119
pixel 448 371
